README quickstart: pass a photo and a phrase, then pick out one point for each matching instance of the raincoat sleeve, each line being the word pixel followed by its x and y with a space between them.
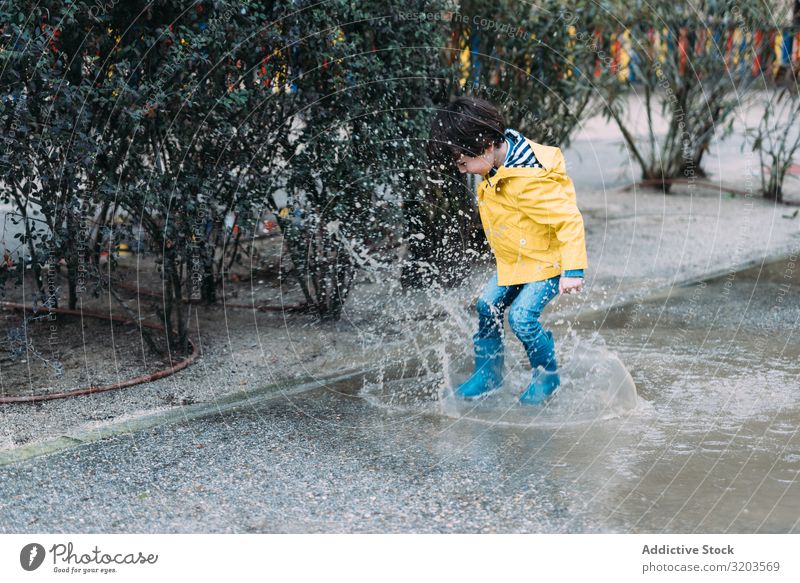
pixel 550 200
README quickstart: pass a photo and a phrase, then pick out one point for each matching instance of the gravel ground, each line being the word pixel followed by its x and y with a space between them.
pixel 318 463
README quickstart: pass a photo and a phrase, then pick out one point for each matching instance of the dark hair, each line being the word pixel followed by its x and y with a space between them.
pixel 468 125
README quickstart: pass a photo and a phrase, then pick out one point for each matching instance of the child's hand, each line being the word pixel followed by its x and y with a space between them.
pixel 567 285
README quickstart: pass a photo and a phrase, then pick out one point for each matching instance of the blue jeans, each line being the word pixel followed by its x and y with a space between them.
pixel 527 302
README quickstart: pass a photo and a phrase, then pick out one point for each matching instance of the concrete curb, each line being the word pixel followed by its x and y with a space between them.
pixel 225 404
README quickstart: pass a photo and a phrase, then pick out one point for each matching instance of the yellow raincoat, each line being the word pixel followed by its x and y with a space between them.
pixel 531 220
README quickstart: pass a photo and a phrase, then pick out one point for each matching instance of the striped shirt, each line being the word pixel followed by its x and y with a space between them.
pixel 520 154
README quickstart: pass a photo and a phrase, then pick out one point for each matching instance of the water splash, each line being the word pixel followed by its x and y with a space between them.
pixel 595 385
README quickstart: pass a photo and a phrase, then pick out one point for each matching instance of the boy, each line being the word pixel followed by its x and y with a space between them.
pixel 528 211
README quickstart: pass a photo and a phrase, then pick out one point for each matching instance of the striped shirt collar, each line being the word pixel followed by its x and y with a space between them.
pixel 520 154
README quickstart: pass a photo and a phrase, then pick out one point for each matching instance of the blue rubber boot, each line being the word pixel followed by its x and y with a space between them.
pixel 488 375
pixel 545 380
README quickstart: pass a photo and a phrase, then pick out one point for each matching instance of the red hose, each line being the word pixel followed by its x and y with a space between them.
pixel 146 378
